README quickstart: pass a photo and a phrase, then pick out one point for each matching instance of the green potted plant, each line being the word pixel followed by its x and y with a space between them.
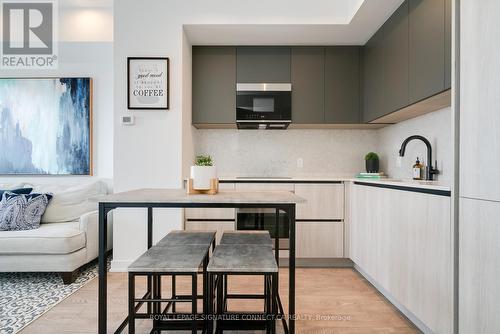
pixel 372 162
pixel 203 172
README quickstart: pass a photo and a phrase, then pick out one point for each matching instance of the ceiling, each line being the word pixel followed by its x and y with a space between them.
pixel 354 22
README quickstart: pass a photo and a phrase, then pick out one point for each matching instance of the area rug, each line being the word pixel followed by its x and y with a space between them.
pixel 26 296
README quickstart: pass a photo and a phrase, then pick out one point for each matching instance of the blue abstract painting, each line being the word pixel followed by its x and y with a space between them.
pixel 45 126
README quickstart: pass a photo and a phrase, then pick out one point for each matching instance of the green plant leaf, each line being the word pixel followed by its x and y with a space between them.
pixel 371 156
pixel 203 160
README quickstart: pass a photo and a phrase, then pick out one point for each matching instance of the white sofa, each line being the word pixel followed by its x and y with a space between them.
pixel 67 238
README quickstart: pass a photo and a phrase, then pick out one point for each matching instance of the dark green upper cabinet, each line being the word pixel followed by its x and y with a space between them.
pixel 396 60
pixel 447 45
pixel 214 85
pixel 308 85
pixel 372 78
pixel 342 85
pixel 427 55
pixel 263 64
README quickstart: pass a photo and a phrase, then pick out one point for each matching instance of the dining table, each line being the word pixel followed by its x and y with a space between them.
pixel 282 201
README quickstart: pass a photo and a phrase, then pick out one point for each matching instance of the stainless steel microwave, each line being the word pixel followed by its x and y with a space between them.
pixel 264 105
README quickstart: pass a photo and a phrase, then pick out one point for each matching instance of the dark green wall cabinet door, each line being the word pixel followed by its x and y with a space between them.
pixel 447 45
pixel 372 78
pixel 427 40
pixel 308 85
pixel 342 85
pixel 214 85
pixel 263 64
pixel 396 60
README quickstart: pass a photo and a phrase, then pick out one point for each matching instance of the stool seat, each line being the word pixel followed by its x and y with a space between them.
pixel 187 238
pixel 246 238
pixel 243 259
pixel 171 258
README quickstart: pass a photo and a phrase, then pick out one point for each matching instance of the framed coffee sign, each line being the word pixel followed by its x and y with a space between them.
pixel 148 83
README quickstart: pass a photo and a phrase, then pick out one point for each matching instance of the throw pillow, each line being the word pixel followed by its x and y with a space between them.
pixel 17 191
pixel 21 211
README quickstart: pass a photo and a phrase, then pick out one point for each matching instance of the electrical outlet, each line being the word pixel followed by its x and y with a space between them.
pixel 300 163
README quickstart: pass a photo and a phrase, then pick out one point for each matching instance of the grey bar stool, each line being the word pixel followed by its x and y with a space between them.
pixel 182 237
pixel 242 259
pixel 180 253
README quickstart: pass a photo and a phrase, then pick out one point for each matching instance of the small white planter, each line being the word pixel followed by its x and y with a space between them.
pixel 202 175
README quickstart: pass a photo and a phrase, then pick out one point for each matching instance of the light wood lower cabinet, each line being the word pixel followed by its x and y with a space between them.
pixel 479 268
pixel 320 239
pixel 323 201
pixel 403 241
pixel 219 226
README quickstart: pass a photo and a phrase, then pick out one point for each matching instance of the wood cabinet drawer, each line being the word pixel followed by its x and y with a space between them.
pixel 324 201
pixel 219 226
pixel 320 239
pixel 265 186
pixel 212 213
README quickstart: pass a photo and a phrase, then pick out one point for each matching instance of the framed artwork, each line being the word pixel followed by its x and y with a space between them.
pixel 46 126
pixel 148 83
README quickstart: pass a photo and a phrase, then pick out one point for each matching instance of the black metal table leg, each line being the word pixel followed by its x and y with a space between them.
pixel 103 235
pixel 277 237
pixel 150 244
pixel 291 272
pixel 194 292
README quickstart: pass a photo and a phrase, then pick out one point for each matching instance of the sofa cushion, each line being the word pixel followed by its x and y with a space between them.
pixel 22 212
pixel 59 238
pixel 69 203
pixel 18 191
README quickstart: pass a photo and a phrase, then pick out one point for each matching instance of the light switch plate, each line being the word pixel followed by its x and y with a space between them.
pixel 127 120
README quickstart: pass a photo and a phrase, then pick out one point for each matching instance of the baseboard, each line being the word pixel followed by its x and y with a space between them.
pixel 120 266
pixel 319 263
pixel 407 313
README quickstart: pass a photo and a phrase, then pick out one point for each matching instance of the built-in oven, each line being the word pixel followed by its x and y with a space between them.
pixel 265 219
pixel 263 106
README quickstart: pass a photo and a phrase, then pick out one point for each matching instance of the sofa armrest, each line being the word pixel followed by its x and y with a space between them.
pixel 89 223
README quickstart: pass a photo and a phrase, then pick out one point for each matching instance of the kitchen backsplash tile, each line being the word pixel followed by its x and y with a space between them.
pixel 275 153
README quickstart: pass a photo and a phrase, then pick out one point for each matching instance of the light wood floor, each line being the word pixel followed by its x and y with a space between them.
pixel 353 305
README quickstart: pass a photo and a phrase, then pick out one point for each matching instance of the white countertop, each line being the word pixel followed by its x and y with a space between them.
pixel 434 185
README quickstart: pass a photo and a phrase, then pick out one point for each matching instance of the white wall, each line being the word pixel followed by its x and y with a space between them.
pixel 275 153
pixel 84 53
pixel 436 127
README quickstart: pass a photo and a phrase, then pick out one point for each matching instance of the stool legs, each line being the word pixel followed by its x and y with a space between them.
pixel 173 292
pixel 131 303
pixel 274 301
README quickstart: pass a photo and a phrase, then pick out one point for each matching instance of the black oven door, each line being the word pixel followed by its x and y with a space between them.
pixel 265 219
pixel 263 106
